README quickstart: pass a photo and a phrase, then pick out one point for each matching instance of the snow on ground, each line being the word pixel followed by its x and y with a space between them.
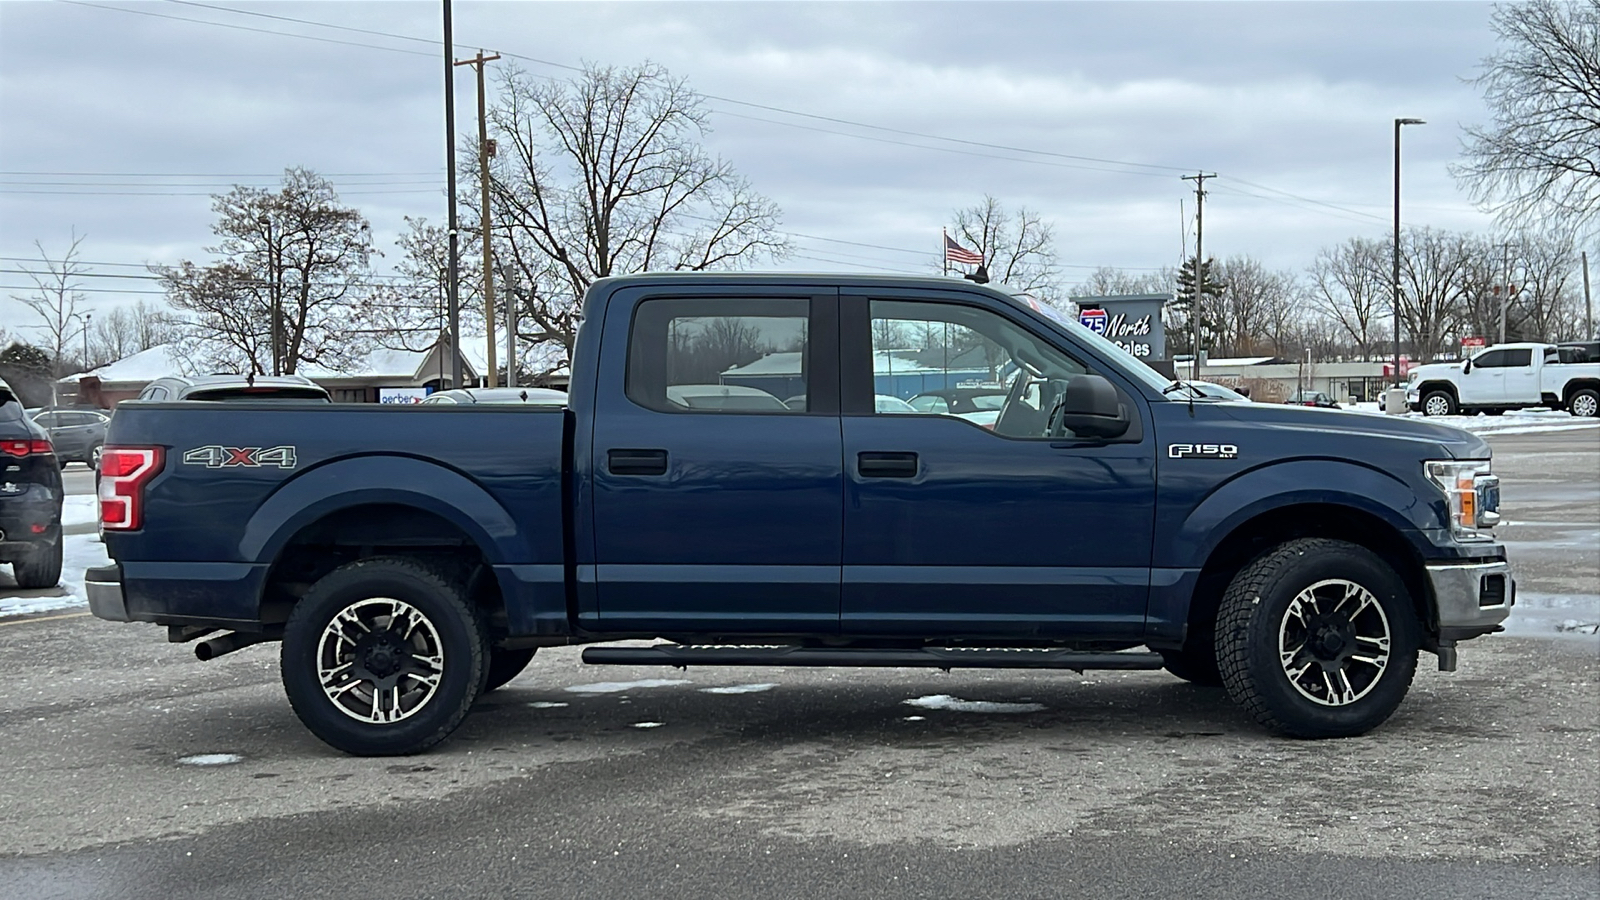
pixel 617 687
pixel 956 704
pixel 80 510
pixel 82 552
pixel 1516 421
pixel 1554 615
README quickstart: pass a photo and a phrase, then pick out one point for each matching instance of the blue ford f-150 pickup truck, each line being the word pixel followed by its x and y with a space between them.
pixel 735 476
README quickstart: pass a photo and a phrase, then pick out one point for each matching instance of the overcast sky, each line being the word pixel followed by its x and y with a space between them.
pixel 120 119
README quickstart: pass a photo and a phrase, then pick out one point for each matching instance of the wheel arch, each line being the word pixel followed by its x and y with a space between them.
pixel 1576 385
pixel 1448 387
pixel 1260 533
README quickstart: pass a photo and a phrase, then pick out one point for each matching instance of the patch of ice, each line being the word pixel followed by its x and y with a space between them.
pixel 738 689
pixel 648 724
pixel 617 687
pixel 955 704
pixel 916 718
pixel 546 704
pixel 1553 615
pixel 82 551
pixel 211 759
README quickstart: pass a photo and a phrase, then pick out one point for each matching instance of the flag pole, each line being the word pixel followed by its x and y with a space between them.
pixel 944 249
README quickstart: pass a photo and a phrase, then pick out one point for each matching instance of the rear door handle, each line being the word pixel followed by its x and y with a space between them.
pixel 878 464
pixel 636 462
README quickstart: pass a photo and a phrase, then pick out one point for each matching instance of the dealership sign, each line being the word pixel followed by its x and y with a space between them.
pixel 1133 322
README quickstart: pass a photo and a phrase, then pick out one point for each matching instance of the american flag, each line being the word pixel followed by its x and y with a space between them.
pixel 954 252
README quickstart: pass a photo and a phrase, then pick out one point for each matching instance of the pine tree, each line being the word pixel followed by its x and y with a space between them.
pixel 1210 305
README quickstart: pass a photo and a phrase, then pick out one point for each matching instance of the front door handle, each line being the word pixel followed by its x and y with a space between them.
pixel 877 464
pixel 636 462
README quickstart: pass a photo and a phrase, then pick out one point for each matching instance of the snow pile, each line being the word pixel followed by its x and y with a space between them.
pixel 955 704
pixel 80 510
pixel 738 689
pixel 1516 421
pixel 82 551
pixel 617 687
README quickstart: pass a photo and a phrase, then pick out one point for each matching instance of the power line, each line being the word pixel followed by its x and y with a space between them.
pixel 306 37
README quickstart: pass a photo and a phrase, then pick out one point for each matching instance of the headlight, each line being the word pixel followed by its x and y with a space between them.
pixel 1471 494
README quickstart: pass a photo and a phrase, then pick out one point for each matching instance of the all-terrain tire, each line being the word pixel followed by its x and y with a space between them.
pixel 383 657
pixel 1266 605
pixel 505 665
pixel 1439 403
pixel 39 568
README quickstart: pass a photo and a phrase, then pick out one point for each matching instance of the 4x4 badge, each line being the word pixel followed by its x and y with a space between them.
pixel 217 456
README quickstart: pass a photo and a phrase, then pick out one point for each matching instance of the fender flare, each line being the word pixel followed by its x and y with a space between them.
pixel 382 479
pixel 1305 481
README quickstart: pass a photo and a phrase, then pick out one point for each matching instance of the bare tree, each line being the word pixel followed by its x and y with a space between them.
pixel 55 299
pixel 1541 154
pixel 1251 295
pixel 1434 286
pixel 1350 284
pixel 604 174
pixel 1017 248
pixel 408 312
pixel 1109 282
pixel 125 330
pixel 296 251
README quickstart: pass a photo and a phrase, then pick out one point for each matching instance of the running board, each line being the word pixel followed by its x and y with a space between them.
pixel 682 655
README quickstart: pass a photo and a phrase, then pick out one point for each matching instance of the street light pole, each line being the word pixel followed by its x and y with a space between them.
pixel 88 319
pixel 1395 302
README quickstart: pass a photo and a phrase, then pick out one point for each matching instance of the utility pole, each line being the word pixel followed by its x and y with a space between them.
pixel 1199 179
pixel 1588 302
pixel 452 297
pixel 485 150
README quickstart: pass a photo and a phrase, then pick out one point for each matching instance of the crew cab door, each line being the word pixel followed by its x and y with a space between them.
pixel 1520 380
pixel 978 527
pixel 716 475
pixel 1484 383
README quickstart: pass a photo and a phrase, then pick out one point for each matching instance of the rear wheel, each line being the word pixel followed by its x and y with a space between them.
pixel 1439 403
pixel 1585 403
pixel 383 657
pixel 505 665
pixel 39 567
pixel 1317 638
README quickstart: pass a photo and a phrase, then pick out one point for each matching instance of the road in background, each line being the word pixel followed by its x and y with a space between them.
pixel 133 770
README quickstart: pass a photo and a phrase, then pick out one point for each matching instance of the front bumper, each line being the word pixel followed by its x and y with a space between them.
pixel 1472 598
pixel 103 585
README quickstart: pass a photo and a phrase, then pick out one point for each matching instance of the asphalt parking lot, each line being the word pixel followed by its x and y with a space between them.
pixel 133 770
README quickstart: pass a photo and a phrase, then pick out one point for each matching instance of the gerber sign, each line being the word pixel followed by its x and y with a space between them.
pixel 1133 321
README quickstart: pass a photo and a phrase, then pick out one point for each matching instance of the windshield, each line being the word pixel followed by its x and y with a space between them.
pixel 1131 365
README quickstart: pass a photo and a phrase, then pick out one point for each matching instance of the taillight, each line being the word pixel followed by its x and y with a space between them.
pixel 124 471
pixel 26 448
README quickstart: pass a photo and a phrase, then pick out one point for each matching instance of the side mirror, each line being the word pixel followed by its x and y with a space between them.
pixel 1466 366
pixel 1089 407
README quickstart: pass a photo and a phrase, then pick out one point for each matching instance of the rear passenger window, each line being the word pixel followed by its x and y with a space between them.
pixel 720 356
pixel 1518 357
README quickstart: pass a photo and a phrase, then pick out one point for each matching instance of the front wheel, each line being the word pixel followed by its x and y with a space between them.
pixel 1317 638
pixel 1585 403
pixel 383 657
pixel 1439 403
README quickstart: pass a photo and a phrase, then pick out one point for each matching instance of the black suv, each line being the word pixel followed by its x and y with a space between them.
pixel 30 497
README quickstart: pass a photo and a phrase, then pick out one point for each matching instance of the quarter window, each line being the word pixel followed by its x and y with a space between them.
pixel 720 356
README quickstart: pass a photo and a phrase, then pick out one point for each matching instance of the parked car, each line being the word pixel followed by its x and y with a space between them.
pixel 1311 398
pixel 410 559
pixel 76 433
pixel 1579 351
pixel 235 387
pixel 1219 392
pixel 1507 376
pixel 30 497
pixel 884 403
pixel 956 401
pixel 723 396
pixel 512 395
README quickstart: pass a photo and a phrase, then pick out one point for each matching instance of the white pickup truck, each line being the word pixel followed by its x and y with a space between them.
pixel 1506 376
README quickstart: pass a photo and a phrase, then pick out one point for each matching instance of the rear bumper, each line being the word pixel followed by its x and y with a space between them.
pixel 1472 598
pixel 103 585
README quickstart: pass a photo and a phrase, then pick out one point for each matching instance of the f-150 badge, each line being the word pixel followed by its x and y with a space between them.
pixel 217 456
pixel 1202 451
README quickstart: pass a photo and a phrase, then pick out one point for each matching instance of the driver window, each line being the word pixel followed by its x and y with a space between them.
pixel 967 363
